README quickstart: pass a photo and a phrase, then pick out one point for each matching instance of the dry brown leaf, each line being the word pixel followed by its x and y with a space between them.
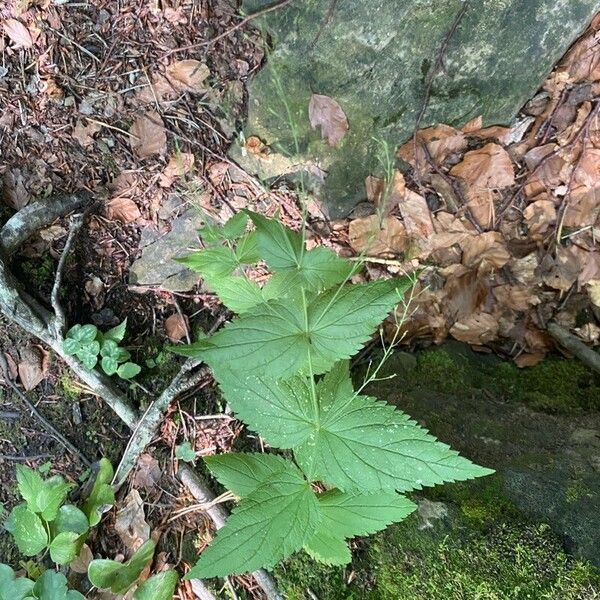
pixel 441 141
pixel 450 230
pixel 525 359
pixel 375 186
pixel 148 135
pixel 130 522
pixel 176 327
pixel 326 113
pixel 489 167
pixel 188 74
pixel 464 293
pixel 123 209
pixel 84 133
pixel 478 328
pixel 561 272
pixel 473 125
pixel 482 205
pixel 540 216
pixel 179 165
pixel 495 132
pixel 14 192
pixel 515 297
pixel 148 472
pixel 486 251
pixel 386 238
pixel 32 367
pixel 589 333
pixel 19 35
pixel 594 291
pixel 82 562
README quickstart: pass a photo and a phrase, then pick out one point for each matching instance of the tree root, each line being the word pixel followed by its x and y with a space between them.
pixel 35 319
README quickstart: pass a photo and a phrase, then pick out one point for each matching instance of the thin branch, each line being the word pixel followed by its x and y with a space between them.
pixel 59 313
pixel 59 437
pixel 575 346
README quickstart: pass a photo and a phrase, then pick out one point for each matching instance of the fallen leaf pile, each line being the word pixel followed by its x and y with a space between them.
pixel 505 220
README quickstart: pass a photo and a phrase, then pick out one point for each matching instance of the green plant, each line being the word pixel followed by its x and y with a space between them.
pixel 120 577
pixel 50 586
pixel 46 522
pixel 88 344
pixel 282 366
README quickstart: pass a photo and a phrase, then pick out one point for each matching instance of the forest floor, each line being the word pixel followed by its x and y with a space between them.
pixel 135 101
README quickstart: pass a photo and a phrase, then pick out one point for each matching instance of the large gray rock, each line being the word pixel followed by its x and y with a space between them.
pixel 374 58
pixel 547 465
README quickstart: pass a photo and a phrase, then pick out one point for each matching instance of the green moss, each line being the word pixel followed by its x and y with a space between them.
pixel 68 387
pixel 484 551
pixel 556 385
pixel 39 272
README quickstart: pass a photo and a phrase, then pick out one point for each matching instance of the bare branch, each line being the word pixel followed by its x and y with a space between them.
pixel 22 225
pixel 60 319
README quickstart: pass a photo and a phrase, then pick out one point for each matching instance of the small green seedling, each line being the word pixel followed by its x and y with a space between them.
pixel 90 345
pixel 46 522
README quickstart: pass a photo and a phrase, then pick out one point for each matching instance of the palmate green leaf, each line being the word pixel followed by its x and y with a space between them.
pixel 283 250
pixel 30 485
pixel 52 496
pixel 360 443
pixel 268 525
pixel 280 410
pixel 351 442
pixel 349 515
pixel 237 293
pixel 275 338
pixel 221 261
pixel 53 586
pixel 231 230
pixel 242 473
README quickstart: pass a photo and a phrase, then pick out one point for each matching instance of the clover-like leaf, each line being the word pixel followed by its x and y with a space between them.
pixel 128 370
pixel 28 530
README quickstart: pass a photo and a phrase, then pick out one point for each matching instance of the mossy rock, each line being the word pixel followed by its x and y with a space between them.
pixel 494 554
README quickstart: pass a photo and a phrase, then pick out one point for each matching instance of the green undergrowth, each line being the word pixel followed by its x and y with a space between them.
pixel 482 550
pixel 556 385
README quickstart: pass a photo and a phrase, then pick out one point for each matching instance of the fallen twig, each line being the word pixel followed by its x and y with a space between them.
pixel 575 346
pixel 59 313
